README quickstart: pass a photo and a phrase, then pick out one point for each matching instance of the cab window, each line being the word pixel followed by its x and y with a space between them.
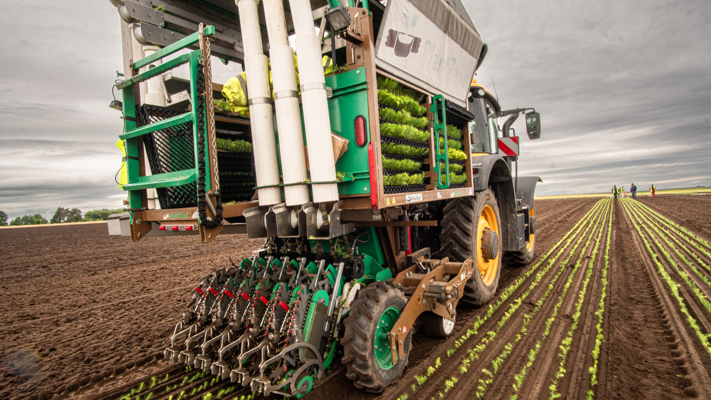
pixel 478 128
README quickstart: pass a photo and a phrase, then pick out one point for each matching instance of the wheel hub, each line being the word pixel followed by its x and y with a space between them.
pixel 381 341
pixel 489 244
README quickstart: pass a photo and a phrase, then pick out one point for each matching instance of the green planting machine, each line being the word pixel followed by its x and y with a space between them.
pixel 369 161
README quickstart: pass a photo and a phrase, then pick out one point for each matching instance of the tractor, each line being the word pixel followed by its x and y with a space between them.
pixel 354 141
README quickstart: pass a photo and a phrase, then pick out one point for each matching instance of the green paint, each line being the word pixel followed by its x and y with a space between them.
pixel 168 179
pixel 350 100
pixel 164 124
pixel 381 340
pixel 170 49
pixel 307 380
pixel 179 216
pixel 158 70
pixel 320 295
pixel 440 129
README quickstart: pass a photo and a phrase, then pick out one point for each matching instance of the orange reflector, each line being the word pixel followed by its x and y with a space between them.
pixel 360 131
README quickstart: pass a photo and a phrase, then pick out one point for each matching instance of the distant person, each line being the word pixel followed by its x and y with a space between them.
pixel 615 192
pixel 653 190
pixel 633 190
pixel 623 191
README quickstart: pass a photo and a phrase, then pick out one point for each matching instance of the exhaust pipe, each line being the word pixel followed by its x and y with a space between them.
pixel 260 105
pixel 286 103
pixel 313 96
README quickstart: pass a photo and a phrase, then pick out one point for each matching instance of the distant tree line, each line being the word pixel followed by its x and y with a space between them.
pixel 61 216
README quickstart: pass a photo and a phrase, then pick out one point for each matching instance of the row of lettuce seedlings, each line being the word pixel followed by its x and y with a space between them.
pixel 599 336
pixel 568 340
pixel 473 353
pixel 155 387
pixel 496 364
pixel 672 231
pixel 520 377
pixel 697 242
pixel 405 139
pixel 533 353
pixel 693 285
pixel 673 286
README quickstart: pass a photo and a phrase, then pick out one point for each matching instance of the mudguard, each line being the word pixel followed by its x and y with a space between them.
pixel 490 168
pixel 526 188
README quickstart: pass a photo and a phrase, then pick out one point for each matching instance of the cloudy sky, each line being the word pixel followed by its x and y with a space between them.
pixel 624 89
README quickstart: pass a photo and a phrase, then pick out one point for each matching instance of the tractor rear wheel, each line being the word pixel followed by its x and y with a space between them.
pixel 472 229
pixel 366 345
pixel 524 256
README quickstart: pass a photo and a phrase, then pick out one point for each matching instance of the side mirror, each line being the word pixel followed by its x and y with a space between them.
pixel 533 125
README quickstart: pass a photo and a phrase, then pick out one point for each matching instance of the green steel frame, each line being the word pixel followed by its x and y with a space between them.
pixel 133 134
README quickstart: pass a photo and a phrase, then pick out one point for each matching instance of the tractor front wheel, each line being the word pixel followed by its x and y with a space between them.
pixel 366 343
pixel 472 229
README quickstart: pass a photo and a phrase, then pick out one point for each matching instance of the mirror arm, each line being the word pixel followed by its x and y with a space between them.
pixel 508 123
pixel 514 111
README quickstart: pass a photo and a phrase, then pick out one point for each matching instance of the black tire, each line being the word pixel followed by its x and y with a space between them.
pixel 524 256
pixel 358 341
pixel 460 240
pixel 435 326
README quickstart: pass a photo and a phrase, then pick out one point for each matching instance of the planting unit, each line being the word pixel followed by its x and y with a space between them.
pixel 368 161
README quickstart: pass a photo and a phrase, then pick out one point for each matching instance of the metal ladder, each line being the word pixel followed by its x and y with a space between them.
pixel 132 133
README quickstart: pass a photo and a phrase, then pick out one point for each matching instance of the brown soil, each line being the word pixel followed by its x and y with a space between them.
pixel 83 303
pixel 640 361
pixel 689 211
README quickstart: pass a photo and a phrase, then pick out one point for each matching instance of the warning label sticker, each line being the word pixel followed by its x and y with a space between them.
pixel 413 197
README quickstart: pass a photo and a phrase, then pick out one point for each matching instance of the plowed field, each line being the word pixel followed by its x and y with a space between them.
pixel 616 304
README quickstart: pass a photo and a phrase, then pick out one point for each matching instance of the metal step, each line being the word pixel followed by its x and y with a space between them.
pixel 169 179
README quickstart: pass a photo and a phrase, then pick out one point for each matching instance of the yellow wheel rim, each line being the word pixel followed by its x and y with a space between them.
pixel 487 268
pixel 532 237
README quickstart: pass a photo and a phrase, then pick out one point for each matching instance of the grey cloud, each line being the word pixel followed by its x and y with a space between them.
pixel 622 86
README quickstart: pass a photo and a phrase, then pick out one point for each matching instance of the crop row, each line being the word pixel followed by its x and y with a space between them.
pixel 156 386
pixel 567 341
pixel 533 353
pixel 673 286
pixel 670 227
pixel 599 337
pixel 699 243
pixel 684 276
pixel 473 353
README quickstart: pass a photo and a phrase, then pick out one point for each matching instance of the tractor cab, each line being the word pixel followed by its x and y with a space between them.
pixel 487 136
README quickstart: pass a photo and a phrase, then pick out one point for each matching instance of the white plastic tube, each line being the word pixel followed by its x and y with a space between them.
pixel 155 87
pixel 260 107
pixel 315 102
pixel 286 103
pixel 153 93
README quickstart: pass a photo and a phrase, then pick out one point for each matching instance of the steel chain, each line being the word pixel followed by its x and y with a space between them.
pixel 207 72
